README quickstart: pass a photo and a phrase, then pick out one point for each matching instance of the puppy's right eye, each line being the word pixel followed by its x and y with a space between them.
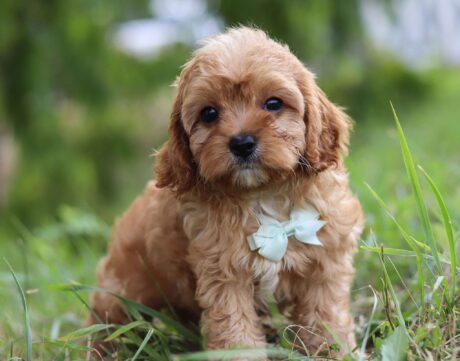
pixel 209 114
pixel 273 105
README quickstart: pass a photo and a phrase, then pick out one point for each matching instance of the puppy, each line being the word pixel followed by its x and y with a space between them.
pixel 251 199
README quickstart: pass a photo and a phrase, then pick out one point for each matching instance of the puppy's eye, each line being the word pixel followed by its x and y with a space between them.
pixel 209 114
pixel 273 105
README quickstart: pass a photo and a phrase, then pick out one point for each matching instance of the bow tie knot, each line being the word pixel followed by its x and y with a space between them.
pixel 271 239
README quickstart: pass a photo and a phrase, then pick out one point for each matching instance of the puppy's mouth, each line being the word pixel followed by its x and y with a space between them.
pixel 250 162
pixel 249 176
pixel 248 172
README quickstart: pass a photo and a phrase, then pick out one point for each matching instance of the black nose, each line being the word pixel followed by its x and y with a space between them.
pixel 243 145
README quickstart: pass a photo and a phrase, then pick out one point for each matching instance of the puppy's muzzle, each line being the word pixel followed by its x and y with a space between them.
pixel 243 145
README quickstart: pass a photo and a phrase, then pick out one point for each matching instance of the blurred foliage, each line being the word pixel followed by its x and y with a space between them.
pixel 86 116
pixel 71 100
pixel 328 36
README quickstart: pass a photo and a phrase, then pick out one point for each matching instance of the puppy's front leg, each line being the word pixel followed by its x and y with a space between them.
pixel 229 318
pixel 322 308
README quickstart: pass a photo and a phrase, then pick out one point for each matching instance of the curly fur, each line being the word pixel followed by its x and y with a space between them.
pixel 186 235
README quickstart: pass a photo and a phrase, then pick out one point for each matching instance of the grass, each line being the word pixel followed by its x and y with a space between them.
pixel 405 299
pixel 25 312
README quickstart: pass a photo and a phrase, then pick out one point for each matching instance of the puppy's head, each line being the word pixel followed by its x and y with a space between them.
pixel 248 113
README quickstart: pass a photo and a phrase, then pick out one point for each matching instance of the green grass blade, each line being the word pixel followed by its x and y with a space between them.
pixel 390 251
pixel 161 316
pixel 399 313
pixel 120 331
pixel 136 307
pixel 410 242
pixel 151 351
pixel 421 207
pixel 26 315
pixel 86 331
pixel 421 245
pixel 408 293
pixel 447 221
pixel 406 253
pixel 143 344
pixel 368 328
pixel 88 307
pixel 66 345
pixel 163 344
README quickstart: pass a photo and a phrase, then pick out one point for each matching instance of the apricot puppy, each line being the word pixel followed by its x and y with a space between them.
pixel 251 198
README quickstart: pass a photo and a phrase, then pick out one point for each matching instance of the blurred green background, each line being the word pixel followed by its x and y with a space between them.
pixel 85 96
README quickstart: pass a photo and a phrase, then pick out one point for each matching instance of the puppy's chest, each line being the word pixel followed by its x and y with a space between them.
pixel 267 273
pixel 285 251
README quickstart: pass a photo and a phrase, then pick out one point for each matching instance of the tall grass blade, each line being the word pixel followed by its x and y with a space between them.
pixel 66 345
pixel 143 344
pixel 405 253
pixel 27 329
pixel 408 293
pixel 402 322
pixel 389 251
pixel 161 316
pixel 163 344
pixel 86 331
pixel 123 329
pixel 410 242
pixel 368 328
pixel 88 307
pixel 147 349
pixel 423 214
pixel 447 221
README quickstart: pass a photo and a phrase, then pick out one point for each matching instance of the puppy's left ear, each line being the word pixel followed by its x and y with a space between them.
pixel 327 128
pixel 175 167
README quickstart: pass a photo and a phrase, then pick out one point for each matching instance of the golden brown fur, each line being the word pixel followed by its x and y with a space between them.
pixel 187 232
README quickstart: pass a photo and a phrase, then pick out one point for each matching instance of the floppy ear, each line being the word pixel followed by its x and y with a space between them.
pixel 327 128
pixel 175 167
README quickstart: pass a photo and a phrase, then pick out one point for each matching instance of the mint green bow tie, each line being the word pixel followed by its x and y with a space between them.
pixel 271 239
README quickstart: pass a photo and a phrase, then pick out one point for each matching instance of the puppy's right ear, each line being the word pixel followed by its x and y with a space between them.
pixel 175 167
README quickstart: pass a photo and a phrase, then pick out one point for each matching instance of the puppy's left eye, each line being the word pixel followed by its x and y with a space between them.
pixel 209 114
pixel 273 105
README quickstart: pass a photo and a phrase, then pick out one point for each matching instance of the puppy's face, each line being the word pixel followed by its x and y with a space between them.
pixel 244 127
pixel 247 113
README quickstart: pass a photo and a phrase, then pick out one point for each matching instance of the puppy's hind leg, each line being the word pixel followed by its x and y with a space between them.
pixel 131 282
pixel 130 275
